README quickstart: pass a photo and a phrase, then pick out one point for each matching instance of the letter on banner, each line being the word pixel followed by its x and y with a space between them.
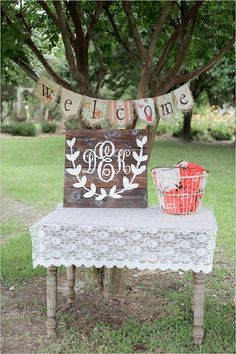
pixel 70 102
pixel 146 110
pixel 184 98
pixel 121 113
pixel 46 91
pixel 94 111
pixel 165 106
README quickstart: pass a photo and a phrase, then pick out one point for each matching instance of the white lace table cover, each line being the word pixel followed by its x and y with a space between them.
pixel 132 238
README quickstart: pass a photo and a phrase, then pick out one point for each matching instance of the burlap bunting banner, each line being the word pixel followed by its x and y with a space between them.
pixel 70 102
pixel 165 106
pixel 145 109
pixel 46 91
pixel 184 99
pixel 120 113
pixel 94 111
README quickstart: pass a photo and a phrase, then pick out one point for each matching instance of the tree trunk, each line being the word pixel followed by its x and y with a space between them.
pixel 186 133
pixel 114 281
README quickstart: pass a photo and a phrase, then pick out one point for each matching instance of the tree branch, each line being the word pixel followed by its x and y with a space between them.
pixel 128 10
pixel 46 65
pixel 186 40
pixel 170 43
pixel 164 13
pixel 94 20
pixel 25 67
pixel 118 37
pixel 183 78
pixel 102 69
pixel 65 37
pixel 72 7
pixel 55 20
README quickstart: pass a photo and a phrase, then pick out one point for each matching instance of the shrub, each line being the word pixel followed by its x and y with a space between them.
pixel 22 129
pixel 72 124
pixel 7 128
pixel 49 127
pixel 222 133
pixel 163 128
pixel 177 133
pixel 200 134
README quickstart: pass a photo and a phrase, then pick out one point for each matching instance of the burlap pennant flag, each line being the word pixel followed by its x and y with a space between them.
pixel 70 102
pixel 184 99
pixel 46 90
pixel 94 111
pixel 120 113
pixel 165 106
pixel 145 109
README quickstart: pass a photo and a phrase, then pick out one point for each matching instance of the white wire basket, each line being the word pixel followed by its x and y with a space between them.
pixel 179 195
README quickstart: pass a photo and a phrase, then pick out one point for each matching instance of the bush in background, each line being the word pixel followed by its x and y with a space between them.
pixel 72 124
pixel 207 124
pixel 48 127
pixel 22 129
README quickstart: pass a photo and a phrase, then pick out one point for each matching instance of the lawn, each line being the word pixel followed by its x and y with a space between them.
pixel 32 172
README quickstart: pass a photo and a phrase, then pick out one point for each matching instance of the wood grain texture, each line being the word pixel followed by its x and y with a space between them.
pixel 198 306
pixel 51 301
pixel 100 152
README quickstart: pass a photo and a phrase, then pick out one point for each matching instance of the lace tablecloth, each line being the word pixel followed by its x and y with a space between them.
pixel 133 238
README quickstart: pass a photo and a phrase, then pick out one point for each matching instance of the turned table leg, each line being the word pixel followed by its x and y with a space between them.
pixel 70 273
pixel 51 300
pixel 198 306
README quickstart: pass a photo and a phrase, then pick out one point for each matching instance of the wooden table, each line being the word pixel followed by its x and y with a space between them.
pixel 132 238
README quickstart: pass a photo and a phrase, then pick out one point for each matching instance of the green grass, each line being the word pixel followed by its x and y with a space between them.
pixel 32 171
pixel 16 263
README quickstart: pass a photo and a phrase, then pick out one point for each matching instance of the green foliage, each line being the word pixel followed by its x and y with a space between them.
pixel 222 133
pixel 23 129
pixel 214 27
pixel 48 127
pixel 207 124
pixel 72 124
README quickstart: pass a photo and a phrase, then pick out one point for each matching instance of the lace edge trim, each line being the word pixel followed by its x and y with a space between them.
pixel 118 264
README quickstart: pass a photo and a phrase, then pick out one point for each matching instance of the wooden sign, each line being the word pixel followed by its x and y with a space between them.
pixel 106 168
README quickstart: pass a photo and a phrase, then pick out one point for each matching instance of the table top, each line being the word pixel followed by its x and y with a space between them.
pixel 134 238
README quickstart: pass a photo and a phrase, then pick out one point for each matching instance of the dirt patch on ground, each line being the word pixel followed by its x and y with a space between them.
pixel 24 309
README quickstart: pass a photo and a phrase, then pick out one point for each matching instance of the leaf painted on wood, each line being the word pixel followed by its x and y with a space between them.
pixel 139 143
pixel 115 196
pixel 103 191
pixel 112 190
pixel 102 195
pixel 143 158
pixel 93 187
pixel 74 171
pixel 144 140
pixel 71 142
pixel 133 169
pixel 140 170
pixel 81 183
pixel 72 157
pixel 135 156
pixel 132 186
pixel 125 182
pixel 92 191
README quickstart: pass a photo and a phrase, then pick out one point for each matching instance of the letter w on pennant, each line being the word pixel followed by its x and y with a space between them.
pixel 46 91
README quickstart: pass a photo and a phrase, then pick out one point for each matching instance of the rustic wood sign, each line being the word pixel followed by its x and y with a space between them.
pixel 106 168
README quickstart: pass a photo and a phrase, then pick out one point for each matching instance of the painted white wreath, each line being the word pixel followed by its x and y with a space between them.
pixel 92 191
